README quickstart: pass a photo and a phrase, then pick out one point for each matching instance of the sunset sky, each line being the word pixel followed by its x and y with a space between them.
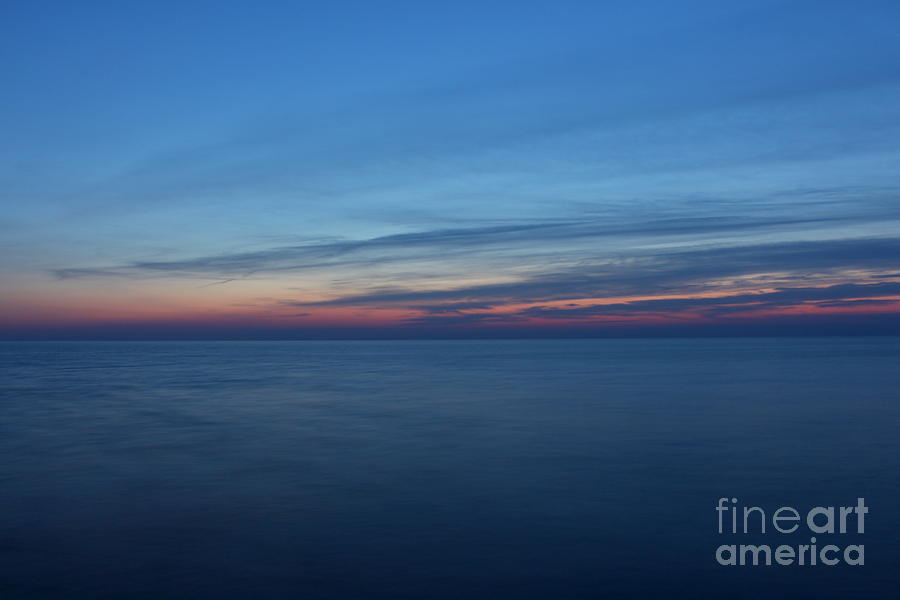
pixel 423 169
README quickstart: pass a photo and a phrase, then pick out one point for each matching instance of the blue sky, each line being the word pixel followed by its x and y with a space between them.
pixel 295 165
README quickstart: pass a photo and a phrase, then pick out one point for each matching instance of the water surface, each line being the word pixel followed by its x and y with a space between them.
pixel 561 469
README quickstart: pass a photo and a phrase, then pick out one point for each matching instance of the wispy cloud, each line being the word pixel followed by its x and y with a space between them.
pixel 663 271
pixel 841 295
pixel 439 244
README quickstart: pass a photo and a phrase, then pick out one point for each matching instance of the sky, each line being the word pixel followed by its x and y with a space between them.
pixel 290 170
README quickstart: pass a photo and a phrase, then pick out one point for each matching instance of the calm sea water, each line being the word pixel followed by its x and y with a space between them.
pixel 447 469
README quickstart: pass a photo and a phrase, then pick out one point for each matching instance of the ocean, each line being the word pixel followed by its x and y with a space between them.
pixel 550 469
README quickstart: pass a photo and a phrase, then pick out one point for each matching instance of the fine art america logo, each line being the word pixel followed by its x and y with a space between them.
pixel 819 521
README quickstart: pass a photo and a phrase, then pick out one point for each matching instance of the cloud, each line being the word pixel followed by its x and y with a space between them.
pixel 467 319
pixel 834 295
pixel 78 272
pixel 659 73
pixel 452 308
pixel 439 244
pixel 662 271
